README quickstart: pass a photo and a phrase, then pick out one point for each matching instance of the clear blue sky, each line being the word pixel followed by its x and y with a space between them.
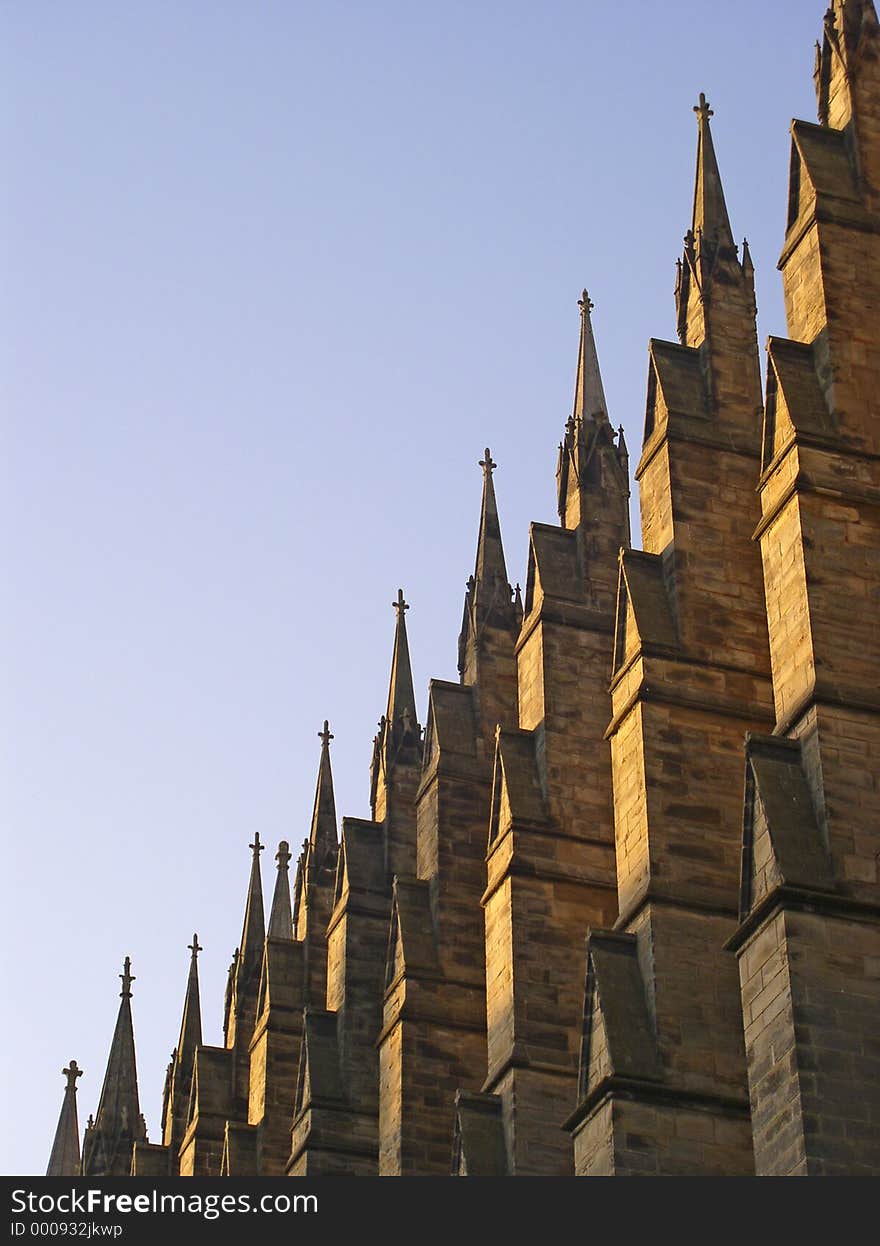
pixel 272 277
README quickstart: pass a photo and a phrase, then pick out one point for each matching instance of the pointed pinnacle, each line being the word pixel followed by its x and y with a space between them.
pixel 64 1160
pixel 710 221
pixel 490 570
pixel 322 834
pixel 589 394
pixel 191 1019
pixel 253 930
pixel 400 690
pixel 281 918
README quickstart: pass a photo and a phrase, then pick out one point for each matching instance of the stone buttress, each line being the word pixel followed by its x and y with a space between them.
pixel 550 863
pixel 336 1107
pixel 221 1075
pixel 433 1036
pixel 662 1086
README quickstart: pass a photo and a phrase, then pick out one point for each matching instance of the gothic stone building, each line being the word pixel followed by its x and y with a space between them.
pixel 617 907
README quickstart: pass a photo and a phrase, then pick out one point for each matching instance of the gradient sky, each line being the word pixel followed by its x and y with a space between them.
pixel 273 276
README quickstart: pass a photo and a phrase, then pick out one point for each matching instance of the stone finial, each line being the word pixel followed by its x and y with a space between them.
pixel 127 978
pixel 195 946
pixel 326 735
pixel 72 1073
pixel 283 855
pixel 585 303
pixel 486 463
pixel 702 109
pixel 400 605
pixel 256 847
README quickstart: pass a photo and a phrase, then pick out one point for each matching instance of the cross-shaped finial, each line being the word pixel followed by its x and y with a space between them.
pixel 325 736
pixel 486 463
pixel 195 947
pixel 256 847
pixel 72 1073
pixel 400 605
pixel 703 111
pixel 127 978
pixel 282 856
pixel 585 303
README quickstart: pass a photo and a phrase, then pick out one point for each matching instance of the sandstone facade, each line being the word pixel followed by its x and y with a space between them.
pixel 617 909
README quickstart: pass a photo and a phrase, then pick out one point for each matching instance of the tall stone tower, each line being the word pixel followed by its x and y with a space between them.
pixel 550 862
pixel 662 1053
pixel 809 939
pixel 433 1037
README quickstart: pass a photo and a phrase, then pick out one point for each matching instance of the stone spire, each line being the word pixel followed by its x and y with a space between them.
pixel 243 987
pixel 118 1123
pixel 401 714
pixel 281 918
pixel 589 394
pixel 250 950
pixel 323 836
pixel 710 224
pixel 591 474
pixel 490 569
pixel 489 595
pixel 180 1070
pixel 191 1021
pixel 315 880
pixel 64 1160
pixel 399 730
pixel 397 752
pixel 715 296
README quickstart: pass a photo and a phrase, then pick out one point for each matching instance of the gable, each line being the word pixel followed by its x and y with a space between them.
pixel 412 947
pixel 618 1038
pixel 517 795
pixel 782 842
pixel 644 618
